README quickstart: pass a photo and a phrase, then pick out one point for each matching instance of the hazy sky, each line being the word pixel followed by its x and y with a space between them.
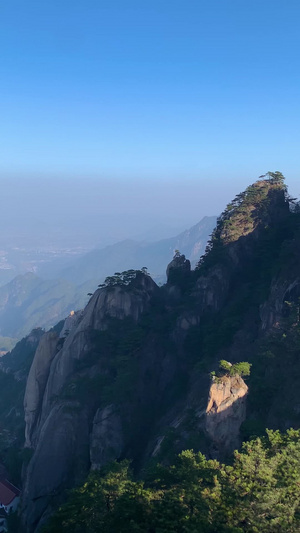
pixel 137 97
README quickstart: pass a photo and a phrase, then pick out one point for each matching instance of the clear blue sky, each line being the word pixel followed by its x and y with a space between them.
pixel 151 90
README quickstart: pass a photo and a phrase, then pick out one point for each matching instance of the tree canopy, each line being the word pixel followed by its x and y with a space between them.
pixel 238 369
pixel 123 278
pixel 258 493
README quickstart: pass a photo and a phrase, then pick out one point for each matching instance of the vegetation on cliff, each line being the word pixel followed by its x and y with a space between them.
pixel 258 493
pixel 249 209
pixel 151 370
pixel 227 369
pixel 14 367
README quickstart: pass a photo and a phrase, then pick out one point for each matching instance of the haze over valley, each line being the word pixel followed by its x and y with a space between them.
pixel 28 301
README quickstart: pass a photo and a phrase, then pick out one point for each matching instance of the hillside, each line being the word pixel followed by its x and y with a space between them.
pixel 137 376
pixel 28 301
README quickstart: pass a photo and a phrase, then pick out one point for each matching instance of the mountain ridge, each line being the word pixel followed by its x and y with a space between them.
pixel 129 253
pixel 138 375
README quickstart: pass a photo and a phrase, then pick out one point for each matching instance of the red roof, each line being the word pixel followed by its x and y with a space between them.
pixel 8 492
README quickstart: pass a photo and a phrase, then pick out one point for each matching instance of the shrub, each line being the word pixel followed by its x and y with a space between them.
pixel 238 369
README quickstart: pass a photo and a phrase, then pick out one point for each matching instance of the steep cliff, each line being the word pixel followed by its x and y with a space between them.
pixel 65 412
pixel 130 378
pixel 14 367
pixel 36 382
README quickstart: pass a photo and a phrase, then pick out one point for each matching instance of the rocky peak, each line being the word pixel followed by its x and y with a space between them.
pixel 259 204
pixel 179 264
pixel 254 216
pixel 119 301
pixel 263 204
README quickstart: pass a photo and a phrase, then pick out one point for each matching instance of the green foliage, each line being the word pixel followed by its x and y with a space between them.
pixel 227 369
pixel 20 358
pixel 117 349
pixel 276 247
pixel 258 493
pixel 111 502
pixel 240 369
pixel 224 365
pixel 241 216
pixel 11 424
pixel 123 278
pixel 12 388
pixel 275 177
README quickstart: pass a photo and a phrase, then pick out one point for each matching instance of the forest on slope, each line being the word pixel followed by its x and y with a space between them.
pixel 258 492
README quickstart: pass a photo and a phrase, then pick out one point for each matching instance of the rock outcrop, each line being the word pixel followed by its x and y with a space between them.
pixel 225 412
pixel 179 264
pixel 69 435
pixel 70 323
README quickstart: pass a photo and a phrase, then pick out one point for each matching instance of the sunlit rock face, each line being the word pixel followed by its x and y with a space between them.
pixel 70 323
pixel 225 412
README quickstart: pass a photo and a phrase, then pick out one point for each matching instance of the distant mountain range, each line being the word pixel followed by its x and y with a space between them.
pixel 29 301
pixel 99 263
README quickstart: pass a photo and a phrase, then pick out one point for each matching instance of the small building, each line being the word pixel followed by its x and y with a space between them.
pixel 9 496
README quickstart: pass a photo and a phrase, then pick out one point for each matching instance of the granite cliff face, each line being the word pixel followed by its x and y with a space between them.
pixel 106 440
pixel 225 412
pixel 36 384
pixel 63 432
pixel 129 377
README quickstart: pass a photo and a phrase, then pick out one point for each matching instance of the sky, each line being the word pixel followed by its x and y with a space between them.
pixel 161 109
